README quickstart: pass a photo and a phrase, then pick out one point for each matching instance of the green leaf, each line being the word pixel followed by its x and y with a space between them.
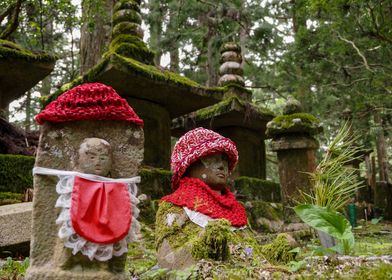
pixel 327 220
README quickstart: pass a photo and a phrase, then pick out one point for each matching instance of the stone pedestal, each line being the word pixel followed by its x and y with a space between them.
pixel 58 148
pixel 296 156
pixel 251 151
pixel 157 123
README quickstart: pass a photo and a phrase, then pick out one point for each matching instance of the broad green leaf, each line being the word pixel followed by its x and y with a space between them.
pixel 326 220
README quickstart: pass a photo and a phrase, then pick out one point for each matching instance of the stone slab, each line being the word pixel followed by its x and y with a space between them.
pixel 15 230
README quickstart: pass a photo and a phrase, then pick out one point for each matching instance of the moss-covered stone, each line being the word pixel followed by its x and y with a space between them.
pixel 155 183
pixel 265 216
pixel 15 173
pixel 126 15
pixel 10 50
pixel 127 28
pixel 217 241
pixel 227 105
pixel 279 250
pixel 301 123
pixel 126 5
pixel 249 188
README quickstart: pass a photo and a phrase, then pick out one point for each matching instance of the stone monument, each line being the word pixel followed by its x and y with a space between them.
pixel 235 117
pixel 85 205
pixel 293 139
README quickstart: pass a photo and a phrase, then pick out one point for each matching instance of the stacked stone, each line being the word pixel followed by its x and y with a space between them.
pixel 127 34
pixel 231 65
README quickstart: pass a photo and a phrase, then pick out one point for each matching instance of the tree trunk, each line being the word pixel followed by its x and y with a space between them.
pixel 174 53
pixel 156 9
pixel 95 32
pixel 212 52
pixel 28 111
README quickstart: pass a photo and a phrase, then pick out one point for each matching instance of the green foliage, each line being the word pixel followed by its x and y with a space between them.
pixel 10 198
pixel 328 221
pixel 14 269
pixel 16 173
pixel 333 182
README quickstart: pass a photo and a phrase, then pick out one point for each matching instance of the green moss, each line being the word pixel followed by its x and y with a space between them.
pixel 249 188
pixel 155 183
pixel 229 86
pixel 278 250
pixel 10 50
pixel 380 272
pixel 126 15
pixel 15 173
pixel 126 5
pixel 214 243
pixel 130 28
pixel 152 72
pixel 294 123
pixel 143 55
pixel 228 104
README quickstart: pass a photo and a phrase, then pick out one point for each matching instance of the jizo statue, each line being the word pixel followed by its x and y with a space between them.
pixel 198 220
pixel 85 203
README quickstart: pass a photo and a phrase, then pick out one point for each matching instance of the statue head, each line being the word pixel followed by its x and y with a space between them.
pixel 204 154
pixel 94 157
pixel 212 169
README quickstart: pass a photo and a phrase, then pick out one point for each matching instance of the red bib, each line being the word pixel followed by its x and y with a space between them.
pixel 100 211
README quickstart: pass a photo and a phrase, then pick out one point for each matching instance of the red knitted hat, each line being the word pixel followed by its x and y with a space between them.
pixel 197 143
pixel 93 101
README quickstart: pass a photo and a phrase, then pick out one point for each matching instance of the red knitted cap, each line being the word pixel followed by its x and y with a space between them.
pixel 93 101
pixel 197 143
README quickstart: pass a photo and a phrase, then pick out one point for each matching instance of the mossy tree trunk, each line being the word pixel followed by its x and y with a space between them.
pixel 95 31
pixel 212 69
pixel 174 53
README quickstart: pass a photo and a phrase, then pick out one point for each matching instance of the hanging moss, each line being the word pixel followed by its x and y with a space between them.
pixel 15 173
pixel 279 250
pixel 9 50
pixel 294 123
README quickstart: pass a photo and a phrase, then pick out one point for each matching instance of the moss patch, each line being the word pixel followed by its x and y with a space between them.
pixel 155 183
pixel 249 188
pixel 10 50
pixel 279 250
pixel 227 105
pixel 214 242
pixel 294 123
pixel 15 173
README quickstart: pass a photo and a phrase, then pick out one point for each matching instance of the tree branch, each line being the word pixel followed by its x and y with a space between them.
pixel 13 25
pixel 358 52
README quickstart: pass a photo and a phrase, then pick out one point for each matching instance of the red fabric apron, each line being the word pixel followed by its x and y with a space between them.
pixel 100 211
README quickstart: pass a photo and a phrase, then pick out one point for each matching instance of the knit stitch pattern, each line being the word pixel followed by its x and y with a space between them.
pixel 197 143
pixel 94 101
pixel 198 196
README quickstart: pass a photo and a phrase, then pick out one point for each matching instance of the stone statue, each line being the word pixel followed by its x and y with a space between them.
pixel 85 175
pixel 202 219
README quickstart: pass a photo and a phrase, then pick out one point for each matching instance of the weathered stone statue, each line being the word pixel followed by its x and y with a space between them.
pixel 84 218
pixel 202 219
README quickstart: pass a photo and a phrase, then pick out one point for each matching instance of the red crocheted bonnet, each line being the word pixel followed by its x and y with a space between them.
pixel 93 101
pixel 198 143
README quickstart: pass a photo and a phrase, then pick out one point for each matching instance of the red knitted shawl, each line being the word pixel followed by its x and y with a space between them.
pixel 198 196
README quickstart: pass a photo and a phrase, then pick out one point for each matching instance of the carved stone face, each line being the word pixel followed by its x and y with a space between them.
pixel 213 170
pixel 95 157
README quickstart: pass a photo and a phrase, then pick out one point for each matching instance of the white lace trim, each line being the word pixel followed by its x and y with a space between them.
pixel 202 220
pixel 100 252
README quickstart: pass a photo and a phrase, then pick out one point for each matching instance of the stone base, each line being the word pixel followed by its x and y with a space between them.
pixel 58 274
